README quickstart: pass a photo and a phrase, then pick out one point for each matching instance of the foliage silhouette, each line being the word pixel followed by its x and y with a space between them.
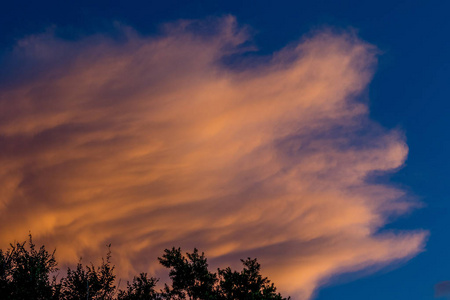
pixel 25 273
pixel 142 288
pixel 247 284
pixel 190 276
pixel 28 273
pixel 90 282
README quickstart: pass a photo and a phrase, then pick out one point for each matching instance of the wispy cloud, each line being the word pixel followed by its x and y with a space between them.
pixel 442 289
pixel 151 142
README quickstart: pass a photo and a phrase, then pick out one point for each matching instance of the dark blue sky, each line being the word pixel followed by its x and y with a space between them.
pixel 410 91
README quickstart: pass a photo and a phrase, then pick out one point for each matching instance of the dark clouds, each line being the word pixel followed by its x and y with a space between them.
pixel 442 289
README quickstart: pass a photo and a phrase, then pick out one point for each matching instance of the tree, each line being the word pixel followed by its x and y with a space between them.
pixel 247 284
pixel 190 276
pixel 192 280
pixel 25 273
pixel 5 274
pixel 142 288
pixel 90 282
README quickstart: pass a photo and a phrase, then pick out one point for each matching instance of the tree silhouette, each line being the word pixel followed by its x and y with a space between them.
pixel 28 273
pixel 192 280
pixel 190 276
pixel 247 284
pixel 25 273
pixel 142 288
pixel 90 282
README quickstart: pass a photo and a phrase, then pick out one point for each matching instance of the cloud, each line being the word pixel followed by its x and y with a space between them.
pixel 153 142
pixel 442 289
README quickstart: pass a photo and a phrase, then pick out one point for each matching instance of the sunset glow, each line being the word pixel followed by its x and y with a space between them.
pixel 153 141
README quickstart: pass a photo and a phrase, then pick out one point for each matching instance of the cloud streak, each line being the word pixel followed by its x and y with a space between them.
pixel 150 142
pixel 442 289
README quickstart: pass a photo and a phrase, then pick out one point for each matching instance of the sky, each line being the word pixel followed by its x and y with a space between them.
pixel 311 135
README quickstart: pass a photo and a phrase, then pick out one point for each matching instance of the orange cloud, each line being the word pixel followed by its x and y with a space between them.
pixel 153 142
